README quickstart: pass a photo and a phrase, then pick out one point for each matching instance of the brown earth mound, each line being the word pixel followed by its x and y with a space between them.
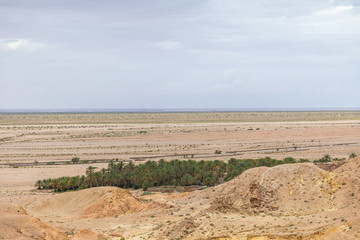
pixel 313 203
pixel 99 202
pixel 86 234
pixel 351 168
pixel 15 223
pixel 291 188
pixel 181 229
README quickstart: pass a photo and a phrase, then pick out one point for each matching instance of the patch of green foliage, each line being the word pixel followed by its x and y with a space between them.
pixel 352 155
pixel 75 160
pixel 303 160
pixel 146 193
pixel 161 173
pixel 326 158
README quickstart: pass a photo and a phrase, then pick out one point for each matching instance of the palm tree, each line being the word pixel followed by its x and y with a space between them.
pixel 98 178
pixel 38 184
pixel 352 155
pixel 119 166
pixel 327 158
pixel 90 174
pixel 90 170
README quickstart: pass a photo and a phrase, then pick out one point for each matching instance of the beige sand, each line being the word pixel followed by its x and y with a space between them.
pixel 29 143
pixel 298 201
pixel 283 202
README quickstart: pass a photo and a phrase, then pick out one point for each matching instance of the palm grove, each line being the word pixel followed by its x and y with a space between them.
pixel 161 173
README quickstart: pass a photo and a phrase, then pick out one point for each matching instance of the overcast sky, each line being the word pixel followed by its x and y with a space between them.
pixel 179 53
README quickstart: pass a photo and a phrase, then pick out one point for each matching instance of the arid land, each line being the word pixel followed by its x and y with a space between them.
pixel 297 201
pixel 142 136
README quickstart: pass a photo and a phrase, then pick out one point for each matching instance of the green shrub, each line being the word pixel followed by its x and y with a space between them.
pixel 75 160
pixel 325 158
pixel 303 160
pixel 352 155
pixel 289 160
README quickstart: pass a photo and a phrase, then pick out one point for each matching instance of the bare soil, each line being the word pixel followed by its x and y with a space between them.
pixel 141 142
pixel 294 201
pixel 297 201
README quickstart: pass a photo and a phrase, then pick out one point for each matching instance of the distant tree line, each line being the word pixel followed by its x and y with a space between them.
pixel 165 173
pixel 160 173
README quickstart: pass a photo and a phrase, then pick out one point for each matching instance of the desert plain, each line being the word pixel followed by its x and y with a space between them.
pixel 291 201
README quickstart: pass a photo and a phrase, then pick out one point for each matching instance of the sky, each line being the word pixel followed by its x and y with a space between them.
pixel 179 54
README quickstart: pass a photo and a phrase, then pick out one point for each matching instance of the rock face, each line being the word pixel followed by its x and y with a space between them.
pixel 15 223
pixel 98 202
pixel 292 188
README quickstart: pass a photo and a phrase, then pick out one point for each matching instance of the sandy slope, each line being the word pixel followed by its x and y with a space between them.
pixel 282 202
pixel 15 223
pixel 293 188
pixel 86 234
pixel 294 201
pixel 90 203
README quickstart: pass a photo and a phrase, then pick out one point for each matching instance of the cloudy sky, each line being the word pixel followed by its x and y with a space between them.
pixel 179 54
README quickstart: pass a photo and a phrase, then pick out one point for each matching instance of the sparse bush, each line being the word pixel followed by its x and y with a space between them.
pixel 146 193
pixel 75 160
pixel 289 160
pixel 325 158
pixel 352 155
pixel 303 160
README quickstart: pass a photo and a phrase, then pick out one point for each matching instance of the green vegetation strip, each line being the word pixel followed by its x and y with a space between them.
pixel 161 173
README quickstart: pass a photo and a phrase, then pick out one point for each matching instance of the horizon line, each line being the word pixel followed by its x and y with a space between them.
pixel 169 110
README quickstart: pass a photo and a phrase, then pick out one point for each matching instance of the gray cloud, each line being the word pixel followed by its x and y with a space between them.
pixel 158 54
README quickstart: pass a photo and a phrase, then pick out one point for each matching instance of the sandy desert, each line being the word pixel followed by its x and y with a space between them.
pixel 290 201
